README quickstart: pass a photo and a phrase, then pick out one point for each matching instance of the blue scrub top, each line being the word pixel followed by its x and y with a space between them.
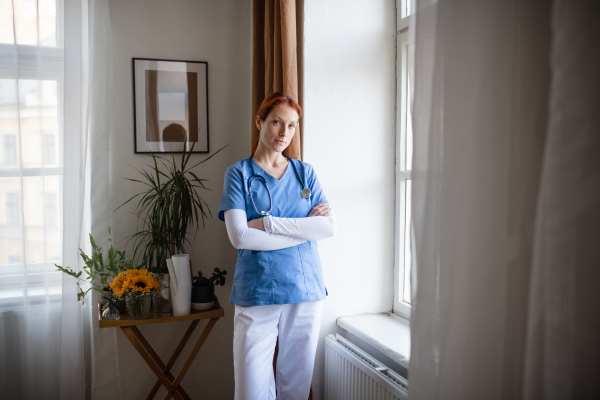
pixel 290 275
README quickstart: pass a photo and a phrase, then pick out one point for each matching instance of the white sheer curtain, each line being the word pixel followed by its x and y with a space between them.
pixel 44 331
pixel 506 200
pixel 106 371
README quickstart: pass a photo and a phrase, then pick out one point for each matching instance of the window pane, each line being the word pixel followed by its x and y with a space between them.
pixel 9 123
pixel 27 15
pixel 34 217
pixel 39 117
pixel 35 117
pixel 47 23
pixel 6 22
pixel 406 7
pixel 9 150
pixel 409 130
pixel 26 22
pixel 11 232
pixel 41 242
pixel 407 252
pixel 403 8
pixel 51 210
pixel 49 150
pixel 30 123
pixel 52 219
pixel 12 208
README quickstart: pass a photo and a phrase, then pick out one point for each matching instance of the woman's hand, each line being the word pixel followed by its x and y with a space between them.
pixel 257 224
pixel 319 210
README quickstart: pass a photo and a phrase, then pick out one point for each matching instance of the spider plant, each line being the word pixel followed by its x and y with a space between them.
pixel 168 209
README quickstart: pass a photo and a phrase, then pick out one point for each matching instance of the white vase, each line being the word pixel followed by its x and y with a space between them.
pixel 181 284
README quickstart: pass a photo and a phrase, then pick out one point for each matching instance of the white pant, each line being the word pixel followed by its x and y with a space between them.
pixel 255 331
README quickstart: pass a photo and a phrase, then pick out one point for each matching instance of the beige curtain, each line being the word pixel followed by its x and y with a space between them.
pixel 506 200
pixel 277 58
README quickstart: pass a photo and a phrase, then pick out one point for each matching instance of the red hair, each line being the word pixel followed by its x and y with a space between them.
pixel 275 99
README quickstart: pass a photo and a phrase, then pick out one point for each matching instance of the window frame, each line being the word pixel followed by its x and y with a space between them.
pixel 402 174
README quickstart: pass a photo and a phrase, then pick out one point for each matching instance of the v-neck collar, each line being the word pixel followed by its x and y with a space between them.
pixel 283 178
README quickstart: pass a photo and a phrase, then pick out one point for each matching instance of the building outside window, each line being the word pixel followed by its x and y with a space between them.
pixel 9 149
pixel 12 209
pixel 50 210
pixel 49 152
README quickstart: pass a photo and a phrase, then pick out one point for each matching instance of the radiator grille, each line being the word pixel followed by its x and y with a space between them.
pixel 352 374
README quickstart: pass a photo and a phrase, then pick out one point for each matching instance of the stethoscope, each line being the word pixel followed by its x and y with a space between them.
pixel 305 192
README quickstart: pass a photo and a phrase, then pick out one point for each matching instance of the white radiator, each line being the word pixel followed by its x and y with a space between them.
pixel 352 374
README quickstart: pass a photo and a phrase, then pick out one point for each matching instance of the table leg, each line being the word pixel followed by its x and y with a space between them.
pixel 165 368
pixel 191 357
pixel 161 376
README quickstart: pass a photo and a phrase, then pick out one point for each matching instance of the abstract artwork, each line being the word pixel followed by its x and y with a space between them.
pixel 170 105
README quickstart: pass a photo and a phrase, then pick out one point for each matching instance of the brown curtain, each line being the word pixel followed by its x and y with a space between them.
pixel 278 58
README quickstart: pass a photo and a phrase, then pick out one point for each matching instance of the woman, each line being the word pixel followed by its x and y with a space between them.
pixel 275 211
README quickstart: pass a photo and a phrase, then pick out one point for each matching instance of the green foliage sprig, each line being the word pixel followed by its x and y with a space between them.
pixel 168 208
pixel 217 278
pixel 96 269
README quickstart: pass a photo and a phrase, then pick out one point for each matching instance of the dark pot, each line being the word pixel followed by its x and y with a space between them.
pixel 203 294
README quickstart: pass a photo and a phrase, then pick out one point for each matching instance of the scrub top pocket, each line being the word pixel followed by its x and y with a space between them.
pixel 252 278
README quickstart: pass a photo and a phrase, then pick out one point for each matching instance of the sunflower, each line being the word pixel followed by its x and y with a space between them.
pixel 117 284
pixel 139 281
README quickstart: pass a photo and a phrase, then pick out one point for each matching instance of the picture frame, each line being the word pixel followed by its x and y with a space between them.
pixel 170 103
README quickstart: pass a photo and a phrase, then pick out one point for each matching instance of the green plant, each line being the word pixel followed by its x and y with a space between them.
pixel 96 269
pixel 167 209
pixel 218 278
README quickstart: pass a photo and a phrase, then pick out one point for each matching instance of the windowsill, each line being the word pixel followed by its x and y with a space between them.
pixel 387 333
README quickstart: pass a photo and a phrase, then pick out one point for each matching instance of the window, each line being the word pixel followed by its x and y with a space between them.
pixel 402 295
pixel 31 96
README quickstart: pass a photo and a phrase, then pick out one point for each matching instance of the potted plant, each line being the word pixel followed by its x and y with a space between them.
pixel 203 289
pixel 167 211
pixel 99 274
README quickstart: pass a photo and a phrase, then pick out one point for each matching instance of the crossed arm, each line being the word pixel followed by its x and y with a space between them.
pixel 274 233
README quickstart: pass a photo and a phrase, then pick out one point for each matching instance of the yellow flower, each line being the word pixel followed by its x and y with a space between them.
pixel 140 281
pixel 117 284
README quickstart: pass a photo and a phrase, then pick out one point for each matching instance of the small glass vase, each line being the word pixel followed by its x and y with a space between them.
pixel 138 304
pixel 111 312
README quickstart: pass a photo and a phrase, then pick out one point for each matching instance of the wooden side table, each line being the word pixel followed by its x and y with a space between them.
pixel 160 369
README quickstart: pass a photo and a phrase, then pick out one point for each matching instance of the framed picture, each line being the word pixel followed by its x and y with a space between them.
pixel 170 101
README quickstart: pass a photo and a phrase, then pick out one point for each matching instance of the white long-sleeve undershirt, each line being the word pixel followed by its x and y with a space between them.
pixel 279 233
pixel 308 228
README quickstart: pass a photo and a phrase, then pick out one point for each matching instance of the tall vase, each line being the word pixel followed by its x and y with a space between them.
pixel 161 299
pixel 181 284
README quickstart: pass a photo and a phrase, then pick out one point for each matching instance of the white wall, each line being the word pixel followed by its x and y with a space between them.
pixel 349 138
pixel 218 32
